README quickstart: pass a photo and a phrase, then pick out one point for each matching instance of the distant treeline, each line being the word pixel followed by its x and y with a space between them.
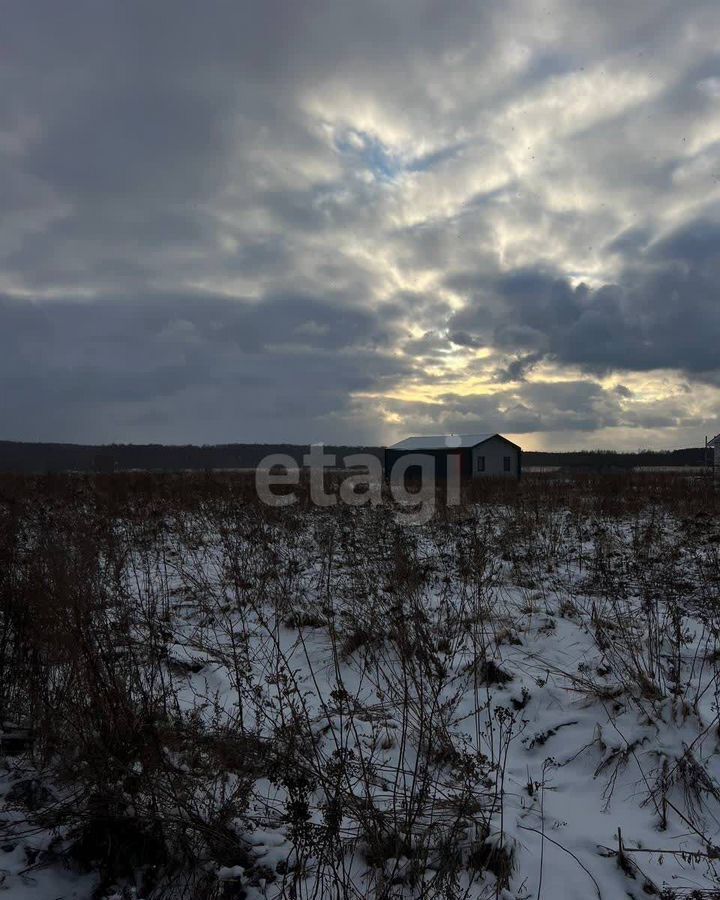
pixel 31 458
pixel 610 459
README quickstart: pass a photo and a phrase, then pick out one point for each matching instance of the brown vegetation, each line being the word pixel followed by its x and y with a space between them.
pixel 163 639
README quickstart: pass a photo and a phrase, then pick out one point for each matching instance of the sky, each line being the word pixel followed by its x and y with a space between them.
pixel 354 221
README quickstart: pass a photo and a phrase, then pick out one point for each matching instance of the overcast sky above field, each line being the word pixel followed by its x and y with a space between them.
pixel 354 221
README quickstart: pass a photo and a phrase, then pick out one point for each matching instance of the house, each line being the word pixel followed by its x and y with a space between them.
pixel 480 455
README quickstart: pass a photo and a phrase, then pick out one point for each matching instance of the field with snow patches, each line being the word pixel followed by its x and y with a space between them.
pixel 202 698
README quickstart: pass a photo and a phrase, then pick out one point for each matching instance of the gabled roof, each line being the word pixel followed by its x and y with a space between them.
pixel 445 441
pixel 715 442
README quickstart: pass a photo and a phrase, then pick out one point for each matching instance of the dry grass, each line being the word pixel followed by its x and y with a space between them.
pixel 182 668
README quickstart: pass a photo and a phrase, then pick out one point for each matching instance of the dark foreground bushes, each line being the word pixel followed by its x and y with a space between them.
pixel 161 640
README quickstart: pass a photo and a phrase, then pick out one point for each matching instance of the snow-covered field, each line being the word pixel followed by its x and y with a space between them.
pixel 213 700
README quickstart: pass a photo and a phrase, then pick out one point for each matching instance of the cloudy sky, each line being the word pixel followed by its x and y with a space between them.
pixel 351 221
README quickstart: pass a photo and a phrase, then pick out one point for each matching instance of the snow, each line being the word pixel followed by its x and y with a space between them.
pixel 566 753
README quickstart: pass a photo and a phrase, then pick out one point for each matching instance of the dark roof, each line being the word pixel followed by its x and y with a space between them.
pixel 447 441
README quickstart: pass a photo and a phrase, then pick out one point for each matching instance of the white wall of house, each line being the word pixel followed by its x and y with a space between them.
pixel 489 459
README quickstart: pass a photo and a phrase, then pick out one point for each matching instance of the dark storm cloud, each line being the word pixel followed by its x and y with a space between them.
pixel 252 326
pixel 662 313
pixel 60 360
pixel 233 220
pixel 131 137
pixel 431 346
pixel 573 406
pixel 517 369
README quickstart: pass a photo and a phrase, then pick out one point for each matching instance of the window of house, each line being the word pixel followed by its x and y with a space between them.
pixel 506 463
pixel 481 463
